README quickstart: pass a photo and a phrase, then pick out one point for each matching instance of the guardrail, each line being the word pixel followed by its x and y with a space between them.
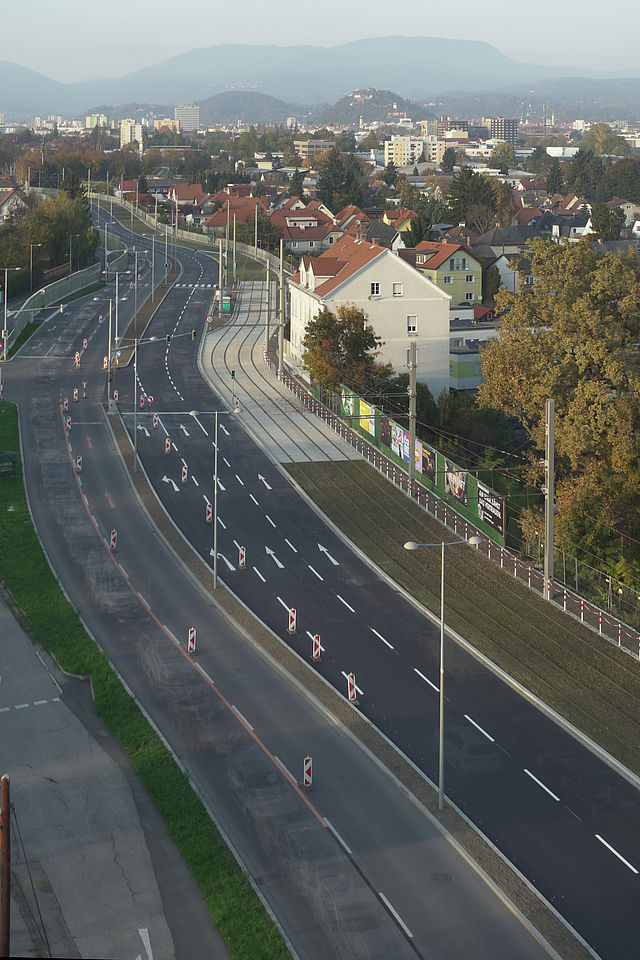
pixel 612 629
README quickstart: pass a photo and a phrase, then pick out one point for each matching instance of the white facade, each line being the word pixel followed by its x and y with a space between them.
pixel 130 132
pixel 401 305
pixel 188 117
pixel 403 150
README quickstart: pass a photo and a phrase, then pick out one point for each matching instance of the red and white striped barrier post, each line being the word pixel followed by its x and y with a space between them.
pixel 76 360
pixel 1 388
pixel 600 621
pixel 529 577
pixel 316 647
pixel 564 600
pixel 307 773
pixel 292 620
pixel 167 445
pixel 236 405
pixel 208 513
pixel 65 403
pixel 142 399
pixel 185 473
pixel 351 688
pixel 515 566
pixel 191 640
pixel 79 464
pixel 105 363
pixel 115 396
pixel 502 556
pixel 619 633
pixel 67 423
pixel 84 388
pixel 75 394
pixel 113 540
pixel 582 611
pixel 242 558
pixel 84 344
pixel 155 420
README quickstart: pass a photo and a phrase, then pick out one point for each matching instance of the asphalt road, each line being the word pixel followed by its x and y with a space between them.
pixel 560 815
pixel 229 703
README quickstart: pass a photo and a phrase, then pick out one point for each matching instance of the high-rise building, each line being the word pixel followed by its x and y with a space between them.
pixel 450 125
pixel 130 132
pixel 96 120
pixel 502 128
pixel 188 117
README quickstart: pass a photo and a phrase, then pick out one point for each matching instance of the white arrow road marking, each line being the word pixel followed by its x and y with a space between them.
pixel 271 554
pixel 329 557
pixel 224 430
pixel 221 556
pixel 262 480
pixel 144 429
pixel 255 570
pixel 146 942
pixel 220 485
pixel 184 430
pixel 172 482
pixel 289 544
pixel 310 635
pixel 358 690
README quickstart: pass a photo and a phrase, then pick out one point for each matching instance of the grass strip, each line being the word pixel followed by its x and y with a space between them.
pixel 51 621
pixel 591 683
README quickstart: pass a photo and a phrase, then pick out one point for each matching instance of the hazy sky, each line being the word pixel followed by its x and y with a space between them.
pixel 80 40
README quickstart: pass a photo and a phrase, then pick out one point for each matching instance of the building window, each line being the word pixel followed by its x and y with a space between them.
pixel 448 279
pixel 420 258
pixel 528 281
pixel 470 278
pixel 412 324
pixel 330 238
pixel 468 295
pixel 294 243
pixel 478 369
pixel 310 243
pixel 375 289
pixel 452 264
pixel 397 290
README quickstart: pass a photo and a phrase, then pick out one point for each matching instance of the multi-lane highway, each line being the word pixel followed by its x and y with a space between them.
pixel 561 815
pixel 356 855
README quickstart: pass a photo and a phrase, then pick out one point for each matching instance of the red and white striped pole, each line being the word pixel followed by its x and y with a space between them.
pixel 116 395
pixel 1 388
pixel 78 464
pixel 191 640
pixel 65 403
pixel 167 445
pixel 185 473
pixel 113 540
pixel 316 648
pixel 84 388
pixel 292 620
pixel 75 394
pixel 208 513
pixel 67 423
pixel 242 558
pixel 307 773
pixel 351 687
pixel 155 420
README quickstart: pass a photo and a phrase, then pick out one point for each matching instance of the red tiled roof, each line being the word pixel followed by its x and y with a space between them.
pixel 188 191
pixel 348 256
pixel 439 252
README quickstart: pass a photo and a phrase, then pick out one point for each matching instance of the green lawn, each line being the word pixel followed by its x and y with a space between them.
pixel 52 622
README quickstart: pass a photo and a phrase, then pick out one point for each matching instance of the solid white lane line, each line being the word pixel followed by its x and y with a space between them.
pixel 315 571
pixel 347 605
pixel 395 914
pixel 358 690
pixel 615 853
pixel 541 784
pixel 478 727
pixel 337 836
pixel 223 525
pixel 282 765
pixel 239 480
pixel 255 570
pixel 380 637
pixel 20 706
pixel 286 606
pixel 195 481
pixel 270 520
pixel 226 461
pixel 254 500
pixel 426 680
pixel 241 715
pixel 289 544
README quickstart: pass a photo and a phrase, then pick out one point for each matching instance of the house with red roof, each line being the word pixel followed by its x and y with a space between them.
pixel 450 266
pixel 243 209
pixel 401 305
pixel 187 194
pixel 305 229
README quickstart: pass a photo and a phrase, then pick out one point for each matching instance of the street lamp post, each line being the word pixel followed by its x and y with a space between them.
pixel 31 246
pixel 411 545
pixel 5 332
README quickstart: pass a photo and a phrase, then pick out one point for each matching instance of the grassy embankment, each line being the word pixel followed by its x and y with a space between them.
pixel 52 622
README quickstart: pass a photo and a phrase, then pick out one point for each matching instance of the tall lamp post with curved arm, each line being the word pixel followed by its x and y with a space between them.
pixel 412 545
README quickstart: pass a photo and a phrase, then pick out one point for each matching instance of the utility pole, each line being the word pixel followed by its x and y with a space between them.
pixel 255 234
pixel 153 267
pixel 412 416
pixel 5 868
pixel 549 496
pixel 234 248
pixel 220 273
pixel 281 323
pixel 266 314
pixel 106 251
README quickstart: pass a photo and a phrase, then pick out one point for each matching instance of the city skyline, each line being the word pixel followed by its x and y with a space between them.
pixel 93 45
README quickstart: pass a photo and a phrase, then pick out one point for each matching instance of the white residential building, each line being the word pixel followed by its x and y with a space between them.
pixel 403 150
pixel 130 132
pixel 188 117
pixel 401 305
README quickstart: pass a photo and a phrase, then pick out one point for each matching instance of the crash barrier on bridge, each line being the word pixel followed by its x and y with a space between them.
pixel 602 622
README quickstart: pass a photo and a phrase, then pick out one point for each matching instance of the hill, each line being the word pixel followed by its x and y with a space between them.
pixel 370 104
pixel 246 107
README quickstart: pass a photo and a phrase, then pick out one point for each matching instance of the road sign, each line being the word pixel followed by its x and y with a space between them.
pixel 167 445
pixel 78 464
pixel 185 472
pixel 67 423
pixel 84 388
pixel 351 687
pixel 150 399
pixel 191 640
pixel 316 646
pixel 65 403
pixel 236 406
pixel 113 539
pixel 242 558
pixel 115 395
pixel 292 620
pixel 307 775
pixel 208 513
pixel 210 319
pixel 75 394
pixel 155 419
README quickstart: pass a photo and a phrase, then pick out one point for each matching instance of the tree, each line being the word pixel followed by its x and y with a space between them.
pixel 390 174
pixel 142 184
pixel 295 184
pixel 573 336
pixel 600 138
pixel 554 177
pixel 467 189
pixel 429 210
pixel 341 348
pixel 607 222
pixel 503 156
pixel 72 186
pixel 268 233
pixel 448 161
pixel 341 180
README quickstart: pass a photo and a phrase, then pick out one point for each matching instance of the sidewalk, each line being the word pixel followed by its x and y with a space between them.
pixel 94 872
